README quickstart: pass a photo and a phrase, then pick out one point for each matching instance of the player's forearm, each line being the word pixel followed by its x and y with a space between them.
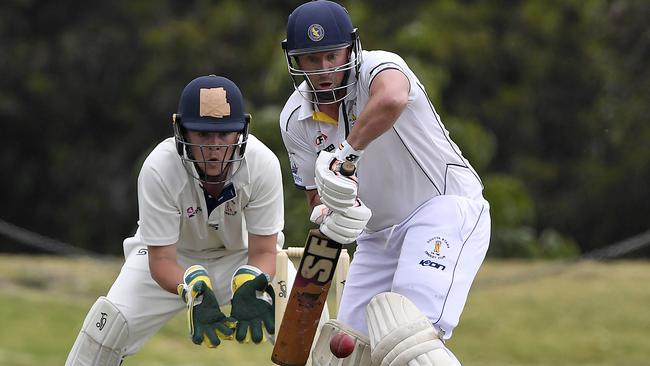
pixel 164 268
pixel 388 99
pixel 262 250
pixel 378 117
pixel 313 199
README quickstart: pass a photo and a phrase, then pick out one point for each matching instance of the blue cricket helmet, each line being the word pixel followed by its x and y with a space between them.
pixel 321 26
pixel 318 26
pixel 211 104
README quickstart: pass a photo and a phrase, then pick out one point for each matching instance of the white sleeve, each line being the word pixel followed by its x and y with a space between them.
pixel 264 212
pixel 159 217
pixel 375 62
pixel 302 158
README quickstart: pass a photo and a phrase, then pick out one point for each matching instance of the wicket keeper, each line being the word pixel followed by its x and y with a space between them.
pixel 210 219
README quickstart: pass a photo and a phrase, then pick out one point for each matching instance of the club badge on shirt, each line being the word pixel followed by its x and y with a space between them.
pixel 230 209
pixel 437 246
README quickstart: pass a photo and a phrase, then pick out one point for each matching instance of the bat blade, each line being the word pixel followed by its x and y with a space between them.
pixel 306 301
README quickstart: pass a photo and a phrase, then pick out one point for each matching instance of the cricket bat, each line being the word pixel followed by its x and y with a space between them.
pixel 308 296
pixel 307 300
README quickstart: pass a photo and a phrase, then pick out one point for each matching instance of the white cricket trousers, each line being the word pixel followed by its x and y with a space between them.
pixel 431 258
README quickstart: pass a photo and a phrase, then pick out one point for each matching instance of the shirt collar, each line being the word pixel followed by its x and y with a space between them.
pixel 307 108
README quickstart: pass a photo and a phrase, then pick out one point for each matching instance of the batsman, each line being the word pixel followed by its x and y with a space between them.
pixel 420 250
pixel 210 219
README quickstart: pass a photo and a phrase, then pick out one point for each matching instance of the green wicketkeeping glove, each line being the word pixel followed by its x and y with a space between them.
pixel 253 304
pixel 204 317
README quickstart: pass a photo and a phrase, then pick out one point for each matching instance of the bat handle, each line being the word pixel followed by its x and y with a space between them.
pixel 347 168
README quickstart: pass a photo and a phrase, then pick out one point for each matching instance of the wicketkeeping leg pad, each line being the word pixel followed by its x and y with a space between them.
pixel 102 338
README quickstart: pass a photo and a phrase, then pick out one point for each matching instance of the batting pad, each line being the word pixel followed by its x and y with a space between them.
pixel 322 356
pixel 401 335
pixel 102 337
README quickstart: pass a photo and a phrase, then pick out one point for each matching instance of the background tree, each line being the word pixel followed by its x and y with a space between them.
pixel 548 99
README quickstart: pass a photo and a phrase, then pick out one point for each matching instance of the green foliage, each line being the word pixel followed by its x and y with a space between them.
pixel 510 202
pixel 478 144
pixel 523 242
pixel 513 216
pixel 555 245
pixel 517 242
pixel 547 99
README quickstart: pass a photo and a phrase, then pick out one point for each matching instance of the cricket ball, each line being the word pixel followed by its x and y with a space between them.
pixel 342 345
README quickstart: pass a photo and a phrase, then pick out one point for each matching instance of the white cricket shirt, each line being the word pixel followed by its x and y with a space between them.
pixel 412 162
pixel 172 207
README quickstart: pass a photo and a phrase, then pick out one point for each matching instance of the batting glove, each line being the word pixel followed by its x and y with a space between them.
pixel 342 227
pixel 206 321
pixel 252 304
pixel 337 191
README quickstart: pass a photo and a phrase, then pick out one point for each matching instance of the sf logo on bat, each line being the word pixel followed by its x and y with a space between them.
pixel 319 260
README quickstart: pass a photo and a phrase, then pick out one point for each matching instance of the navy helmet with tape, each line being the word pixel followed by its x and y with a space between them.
pixel 321 26
pixel 211 104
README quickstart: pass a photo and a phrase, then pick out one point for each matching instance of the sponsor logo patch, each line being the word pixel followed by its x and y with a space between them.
pixel 294 169
pixel 428 263
pixel 320 139
pixel 191 211
pixel 102 321
pixel 283 289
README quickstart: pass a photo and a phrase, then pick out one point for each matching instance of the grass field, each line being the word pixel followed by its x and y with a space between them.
pixel 519 313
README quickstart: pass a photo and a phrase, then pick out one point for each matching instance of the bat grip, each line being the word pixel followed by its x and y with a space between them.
pixel 347 168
